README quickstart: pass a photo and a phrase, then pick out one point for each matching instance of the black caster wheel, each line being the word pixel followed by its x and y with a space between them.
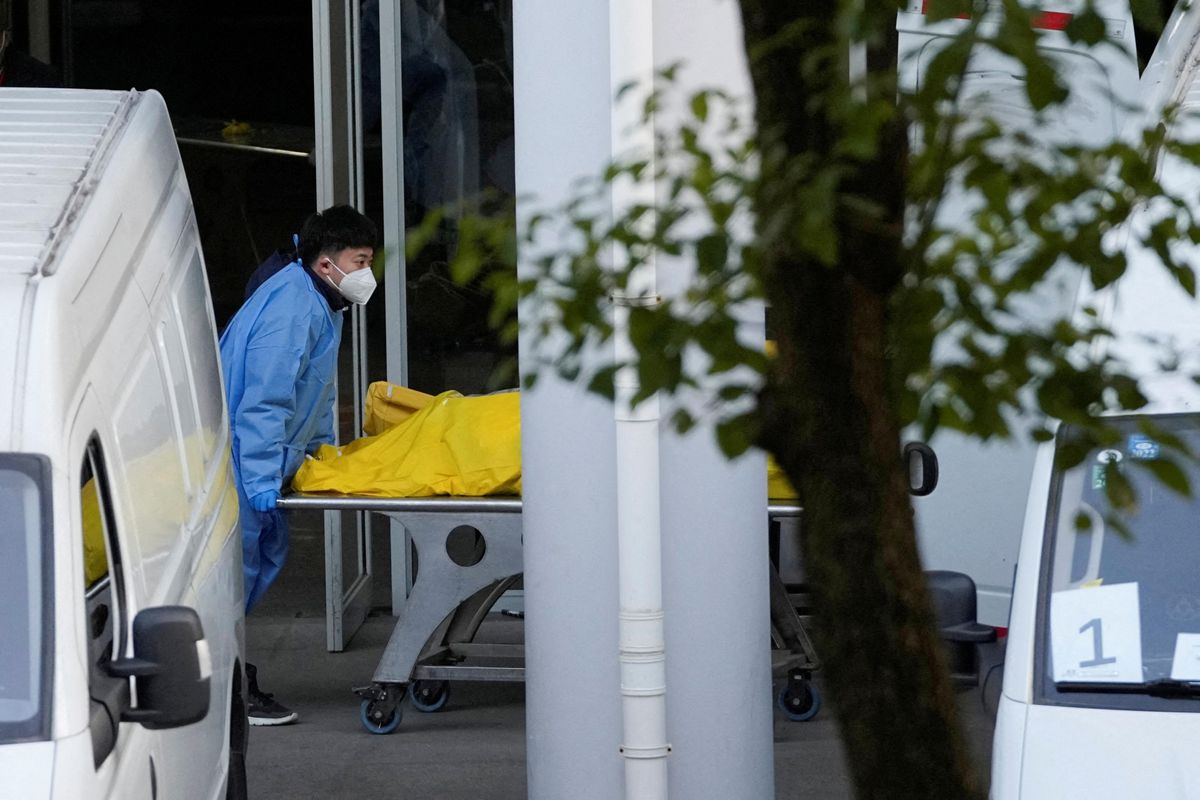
pixel 380 711
pixel 799 701
pixel 429 696
pixel 378 720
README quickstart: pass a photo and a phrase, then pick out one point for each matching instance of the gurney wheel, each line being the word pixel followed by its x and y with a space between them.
pixel 799 701
pixel 429 696
pixel 377 718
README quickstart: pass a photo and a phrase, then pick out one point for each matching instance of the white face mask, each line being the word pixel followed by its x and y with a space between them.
pixel 357 286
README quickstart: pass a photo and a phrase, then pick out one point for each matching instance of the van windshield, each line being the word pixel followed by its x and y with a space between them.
pixel 25 596
pixel 1119 613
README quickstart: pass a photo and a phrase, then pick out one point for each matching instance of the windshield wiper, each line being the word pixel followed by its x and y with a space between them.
pixel 1160 687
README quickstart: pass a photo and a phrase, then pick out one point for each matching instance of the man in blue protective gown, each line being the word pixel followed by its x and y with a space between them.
pixel 279 356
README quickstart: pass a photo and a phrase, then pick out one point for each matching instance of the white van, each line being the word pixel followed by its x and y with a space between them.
pixel 1101 691
pixel 972 522
pixel 120 556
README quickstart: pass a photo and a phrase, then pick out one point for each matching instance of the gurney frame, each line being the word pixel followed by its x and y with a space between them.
pixel 432 642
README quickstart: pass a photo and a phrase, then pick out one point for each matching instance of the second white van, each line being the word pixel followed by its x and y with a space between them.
pixel 987 482
pixel 1101 690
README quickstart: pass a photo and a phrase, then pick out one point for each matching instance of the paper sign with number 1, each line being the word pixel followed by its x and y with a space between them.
pixel 1096 634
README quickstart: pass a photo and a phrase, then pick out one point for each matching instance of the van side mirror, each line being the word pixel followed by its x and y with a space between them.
pixel 922 464
pixel 172 668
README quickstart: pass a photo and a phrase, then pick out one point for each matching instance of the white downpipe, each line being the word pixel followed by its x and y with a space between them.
pixel 639 540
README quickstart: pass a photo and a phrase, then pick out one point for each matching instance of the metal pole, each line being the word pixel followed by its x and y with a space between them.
pixel 40 46
pixel 359 319
pixel 325 154
pixel 324 149
pixel 395 267
pixel 642 656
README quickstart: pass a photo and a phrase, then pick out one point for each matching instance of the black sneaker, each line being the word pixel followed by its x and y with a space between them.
pixel 263 710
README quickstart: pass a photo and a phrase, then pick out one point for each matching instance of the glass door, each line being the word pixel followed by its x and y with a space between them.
pixel 414 107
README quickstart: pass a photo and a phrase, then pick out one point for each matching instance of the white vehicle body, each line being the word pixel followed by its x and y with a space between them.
pixel 1071 726
pixel 972 522
pixel 110 387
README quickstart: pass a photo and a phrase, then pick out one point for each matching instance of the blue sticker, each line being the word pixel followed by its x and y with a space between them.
pixel 1143 448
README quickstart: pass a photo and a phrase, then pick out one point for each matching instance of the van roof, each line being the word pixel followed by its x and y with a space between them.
pixel 52 144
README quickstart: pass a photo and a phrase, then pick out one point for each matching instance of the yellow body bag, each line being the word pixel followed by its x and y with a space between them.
pixel 452 445
pixel 778 485
pixel 421 445
pixel 388 405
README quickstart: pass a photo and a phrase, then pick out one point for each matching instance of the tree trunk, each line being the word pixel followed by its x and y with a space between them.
pixel 829 416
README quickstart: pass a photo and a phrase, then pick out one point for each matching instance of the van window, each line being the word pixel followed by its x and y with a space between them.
pixel 199 339
pixel 182 398
pixel 26 596
pixel 1120 613
pixel 105 602
pixel 152 468
pixel 95 551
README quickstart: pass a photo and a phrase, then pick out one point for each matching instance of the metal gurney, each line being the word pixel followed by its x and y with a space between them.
pixel 455 588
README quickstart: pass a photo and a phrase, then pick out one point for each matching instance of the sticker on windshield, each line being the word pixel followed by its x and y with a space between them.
pixel 1143 448
pixel 1099 476
pixel 1186 665
pixel 1096 634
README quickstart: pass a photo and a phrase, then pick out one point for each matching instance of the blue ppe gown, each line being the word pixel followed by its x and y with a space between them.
pixel 279 357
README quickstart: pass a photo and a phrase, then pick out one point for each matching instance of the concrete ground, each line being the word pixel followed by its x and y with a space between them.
pixel 472 749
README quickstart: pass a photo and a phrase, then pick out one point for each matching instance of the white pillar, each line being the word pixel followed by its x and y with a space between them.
pixel 568 438
pixel 714 520
pixel 713 513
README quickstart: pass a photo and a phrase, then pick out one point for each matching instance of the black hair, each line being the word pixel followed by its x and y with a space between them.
pixel 333 230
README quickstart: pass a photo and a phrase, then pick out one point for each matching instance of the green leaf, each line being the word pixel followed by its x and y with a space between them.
pixel 731 392
pixel 504 375
pixel 1118 489
pixel 682 421
pixel 1087 27
pixel 700 106
pixel 1170 474
pixel 1117 524
pixel 1185 276
pixel 735 436
pixel 602 383
pixel 670 72
pixel 1072 451
pixel 1043 85
pixel 416 239
pixel 712 253
pixel 466 264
